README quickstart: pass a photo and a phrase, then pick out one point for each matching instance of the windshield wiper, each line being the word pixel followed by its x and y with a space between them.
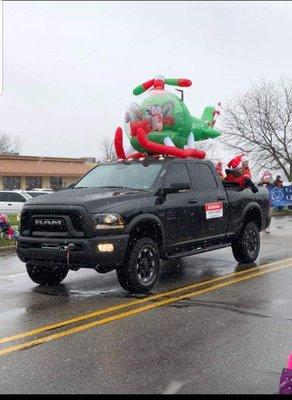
pixel 140 190
pixel 111 187
pixel 121 187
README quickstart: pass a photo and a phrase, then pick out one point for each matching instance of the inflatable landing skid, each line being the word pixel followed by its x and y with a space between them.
pixel 153 147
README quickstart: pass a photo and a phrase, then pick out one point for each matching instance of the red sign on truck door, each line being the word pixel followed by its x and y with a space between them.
pixel 214 210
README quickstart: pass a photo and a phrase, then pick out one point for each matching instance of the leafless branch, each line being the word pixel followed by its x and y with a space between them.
pixel 106 150
pixel 259 123
pixel 9 144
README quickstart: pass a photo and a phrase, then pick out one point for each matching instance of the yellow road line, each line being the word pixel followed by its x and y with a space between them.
pixel 120 306
pixel 137 311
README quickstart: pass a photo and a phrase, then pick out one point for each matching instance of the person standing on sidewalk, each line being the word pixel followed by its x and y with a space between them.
pixel 266 182
pixel 278 182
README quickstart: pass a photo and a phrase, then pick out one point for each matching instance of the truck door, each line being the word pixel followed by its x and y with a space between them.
pixel 211 196
pixel 182 218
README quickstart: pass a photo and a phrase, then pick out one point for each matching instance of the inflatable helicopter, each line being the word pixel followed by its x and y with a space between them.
pixel 162 124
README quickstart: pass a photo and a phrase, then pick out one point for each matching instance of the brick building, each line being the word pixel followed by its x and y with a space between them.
pixel 28 172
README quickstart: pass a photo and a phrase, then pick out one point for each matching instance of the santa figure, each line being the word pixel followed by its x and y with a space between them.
pixel 239 174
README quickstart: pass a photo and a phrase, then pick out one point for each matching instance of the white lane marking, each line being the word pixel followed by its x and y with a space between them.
pixel 11 276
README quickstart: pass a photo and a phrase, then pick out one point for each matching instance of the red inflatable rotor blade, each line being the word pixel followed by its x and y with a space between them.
pixel 118 142
pixel 184 82
pixel 142 88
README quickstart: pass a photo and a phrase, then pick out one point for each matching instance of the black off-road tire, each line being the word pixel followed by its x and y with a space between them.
pixel 141 267
pixel 246 245
pixel 46 275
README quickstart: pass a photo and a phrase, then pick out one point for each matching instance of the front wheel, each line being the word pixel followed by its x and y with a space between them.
pixel 141 268
pixel 46 275
pixel 246 245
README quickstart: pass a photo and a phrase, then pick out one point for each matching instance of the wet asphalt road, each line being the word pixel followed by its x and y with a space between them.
pixel 231 339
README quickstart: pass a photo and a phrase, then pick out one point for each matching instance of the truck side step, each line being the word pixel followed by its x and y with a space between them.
pixel 196 251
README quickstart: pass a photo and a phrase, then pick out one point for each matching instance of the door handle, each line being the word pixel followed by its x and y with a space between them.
pixel 9 204
pixel 192 201
pixel 221 198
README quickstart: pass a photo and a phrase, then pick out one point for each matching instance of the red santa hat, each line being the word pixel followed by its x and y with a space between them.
pixel 236 162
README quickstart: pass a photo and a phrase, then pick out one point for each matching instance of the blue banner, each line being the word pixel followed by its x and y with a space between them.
pixel 280 196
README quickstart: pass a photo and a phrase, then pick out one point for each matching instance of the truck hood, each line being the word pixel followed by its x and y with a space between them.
pixel 95 200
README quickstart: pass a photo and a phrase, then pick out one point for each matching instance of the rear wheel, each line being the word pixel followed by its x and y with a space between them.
pixel 141 268
pixel 46 275
pixel 246 245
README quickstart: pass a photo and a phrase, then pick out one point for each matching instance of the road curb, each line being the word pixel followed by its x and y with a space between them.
pixel 279 214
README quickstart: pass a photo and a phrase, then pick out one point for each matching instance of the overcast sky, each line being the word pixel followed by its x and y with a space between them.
pixel 70 67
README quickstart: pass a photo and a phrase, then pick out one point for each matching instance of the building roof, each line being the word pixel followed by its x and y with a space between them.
pixel 14 165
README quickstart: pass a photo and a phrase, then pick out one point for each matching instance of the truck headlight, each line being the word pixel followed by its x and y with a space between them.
pixel 108 221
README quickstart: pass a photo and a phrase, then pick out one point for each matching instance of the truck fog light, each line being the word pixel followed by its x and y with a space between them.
pixel 106 247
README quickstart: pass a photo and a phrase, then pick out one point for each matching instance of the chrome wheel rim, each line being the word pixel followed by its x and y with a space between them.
pixel 146 266
pixel 252 241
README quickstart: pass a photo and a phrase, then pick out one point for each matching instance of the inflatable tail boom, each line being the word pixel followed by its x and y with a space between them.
pixel 208 115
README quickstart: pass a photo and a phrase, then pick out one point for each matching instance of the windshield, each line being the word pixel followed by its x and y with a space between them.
pixel 133 175
pixel 27 195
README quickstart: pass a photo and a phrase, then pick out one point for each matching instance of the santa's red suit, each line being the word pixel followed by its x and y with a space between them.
pixel 242 179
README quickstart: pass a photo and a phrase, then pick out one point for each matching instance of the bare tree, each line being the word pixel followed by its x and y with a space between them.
pixel 259 123
pixel 9 144
pixel 106 150
pixel 210 146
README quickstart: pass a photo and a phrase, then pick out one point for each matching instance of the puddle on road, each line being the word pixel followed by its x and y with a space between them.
pixel 62 290
pixel 184 273
pixel 91 293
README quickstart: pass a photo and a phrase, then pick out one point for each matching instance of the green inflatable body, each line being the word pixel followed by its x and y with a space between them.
pixel 162 124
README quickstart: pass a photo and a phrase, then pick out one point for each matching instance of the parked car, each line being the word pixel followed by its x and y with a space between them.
pixel 36 193
pixel 12 201
pixel 127 216
pixel 41 190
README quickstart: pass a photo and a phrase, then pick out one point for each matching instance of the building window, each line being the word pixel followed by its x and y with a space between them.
pixel 56 182
pixel 11 182
pixel 33 182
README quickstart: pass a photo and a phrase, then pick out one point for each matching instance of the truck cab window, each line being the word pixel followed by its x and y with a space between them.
pixel 202 177
pixel 177 173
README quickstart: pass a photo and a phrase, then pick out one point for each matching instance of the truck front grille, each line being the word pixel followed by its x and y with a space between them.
pixel 51 223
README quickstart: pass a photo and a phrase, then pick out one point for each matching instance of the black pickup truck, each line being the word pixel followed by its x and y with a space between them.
pixel 129 215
